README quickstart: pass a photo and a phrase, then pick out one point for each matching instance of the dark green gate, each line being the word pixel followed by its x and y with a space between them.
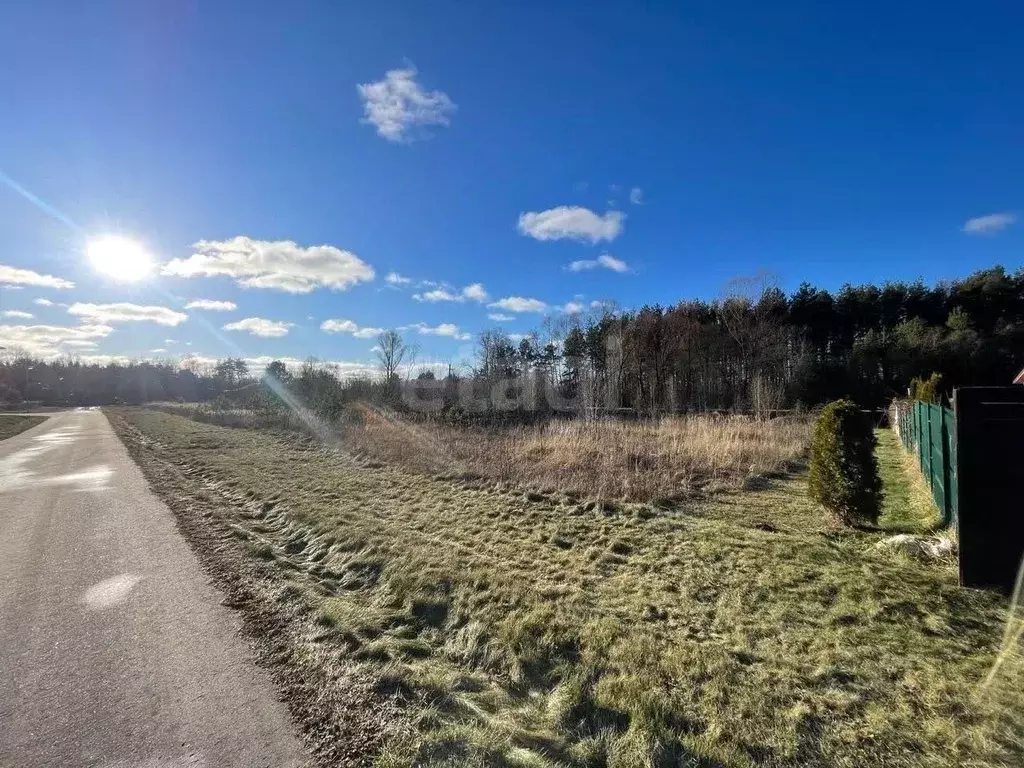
pixel 990 459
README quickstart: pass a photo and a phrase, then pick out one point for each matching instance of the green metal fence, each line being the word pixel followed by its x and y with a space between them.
pixel 928 430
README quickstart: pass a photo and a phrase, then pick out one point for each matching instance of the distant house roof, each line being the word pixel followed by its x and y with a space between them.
pixel 1020 378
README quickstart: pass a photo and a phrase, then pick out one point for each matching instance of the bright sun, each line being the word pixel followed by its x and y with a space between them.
pixel 119 257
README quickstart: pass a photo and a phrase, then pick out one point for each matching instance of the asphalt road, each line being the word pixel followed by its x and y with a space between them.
pixel 114 649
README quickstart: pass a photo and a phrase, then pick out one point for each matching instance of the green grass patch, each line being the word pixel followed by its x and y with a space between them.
pixel 745 630
pixel 15 424
pixel 907 504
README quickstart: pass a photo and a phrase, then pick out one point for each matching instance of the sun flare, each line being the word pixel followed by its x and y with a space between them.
pixel 120 258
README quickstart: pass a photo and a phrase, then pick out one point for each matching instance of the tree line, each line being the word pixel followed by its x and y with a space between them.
pixel 67 381
pixel 757 349
pixel 753 349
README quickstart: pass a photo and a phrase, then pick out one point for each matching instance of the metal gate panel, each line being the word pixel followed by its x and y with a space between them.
pixel 989 470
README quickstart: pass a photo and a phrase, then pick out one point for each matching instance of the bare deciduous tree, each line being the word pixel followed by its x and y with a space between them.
pixel 391 351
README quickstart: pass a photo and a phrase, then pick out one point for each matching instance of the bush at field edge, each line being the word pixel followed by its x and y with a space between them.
pixel 844 472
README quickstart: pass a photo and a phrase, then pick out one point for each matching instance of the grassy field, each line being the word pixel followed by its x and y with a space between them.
pixel 12 424
pixel 665 460
pixel 535 628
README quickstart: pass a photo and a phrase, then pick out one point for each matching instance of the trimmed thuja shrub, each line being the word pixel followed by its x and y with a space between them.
pixel 844 473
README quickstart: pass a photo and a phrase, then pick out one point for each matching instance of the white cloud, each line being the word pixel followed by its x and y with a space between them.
pixel 192 360
pixel 18 314
pixel 636 196
pixel 340 368
pixel 571 223
pixel 347 326
pixel 338 326
pixel 438 294
pixel 500 318
pixel 260 326
pixel 572 308
pixel 170 341
pixel 276 264
pixel 517 337
pixel 473 292
pixel 43 302
pixel 17 276
pixel 393 278
pixel 605 261
pixel 368 333
pixel 990 224
pixel 444 329
pixel 116 313
pixel 519 304
pixel 50 340
pixel 106 359
pixel 212 305
pixel 398 103
pixel 158 350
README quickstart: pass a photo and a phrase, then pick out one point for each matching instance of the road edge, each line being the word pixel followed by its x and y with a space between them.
pixel 330 718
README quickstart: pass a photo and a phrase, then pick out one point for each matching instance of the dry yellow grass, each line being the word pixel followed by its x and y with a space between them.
pixel 642 461
pixel 633 461
pixel 16 423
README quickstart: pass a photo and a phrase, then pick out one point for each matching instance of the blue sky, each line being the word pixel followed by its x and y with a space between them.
pixel 813 141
